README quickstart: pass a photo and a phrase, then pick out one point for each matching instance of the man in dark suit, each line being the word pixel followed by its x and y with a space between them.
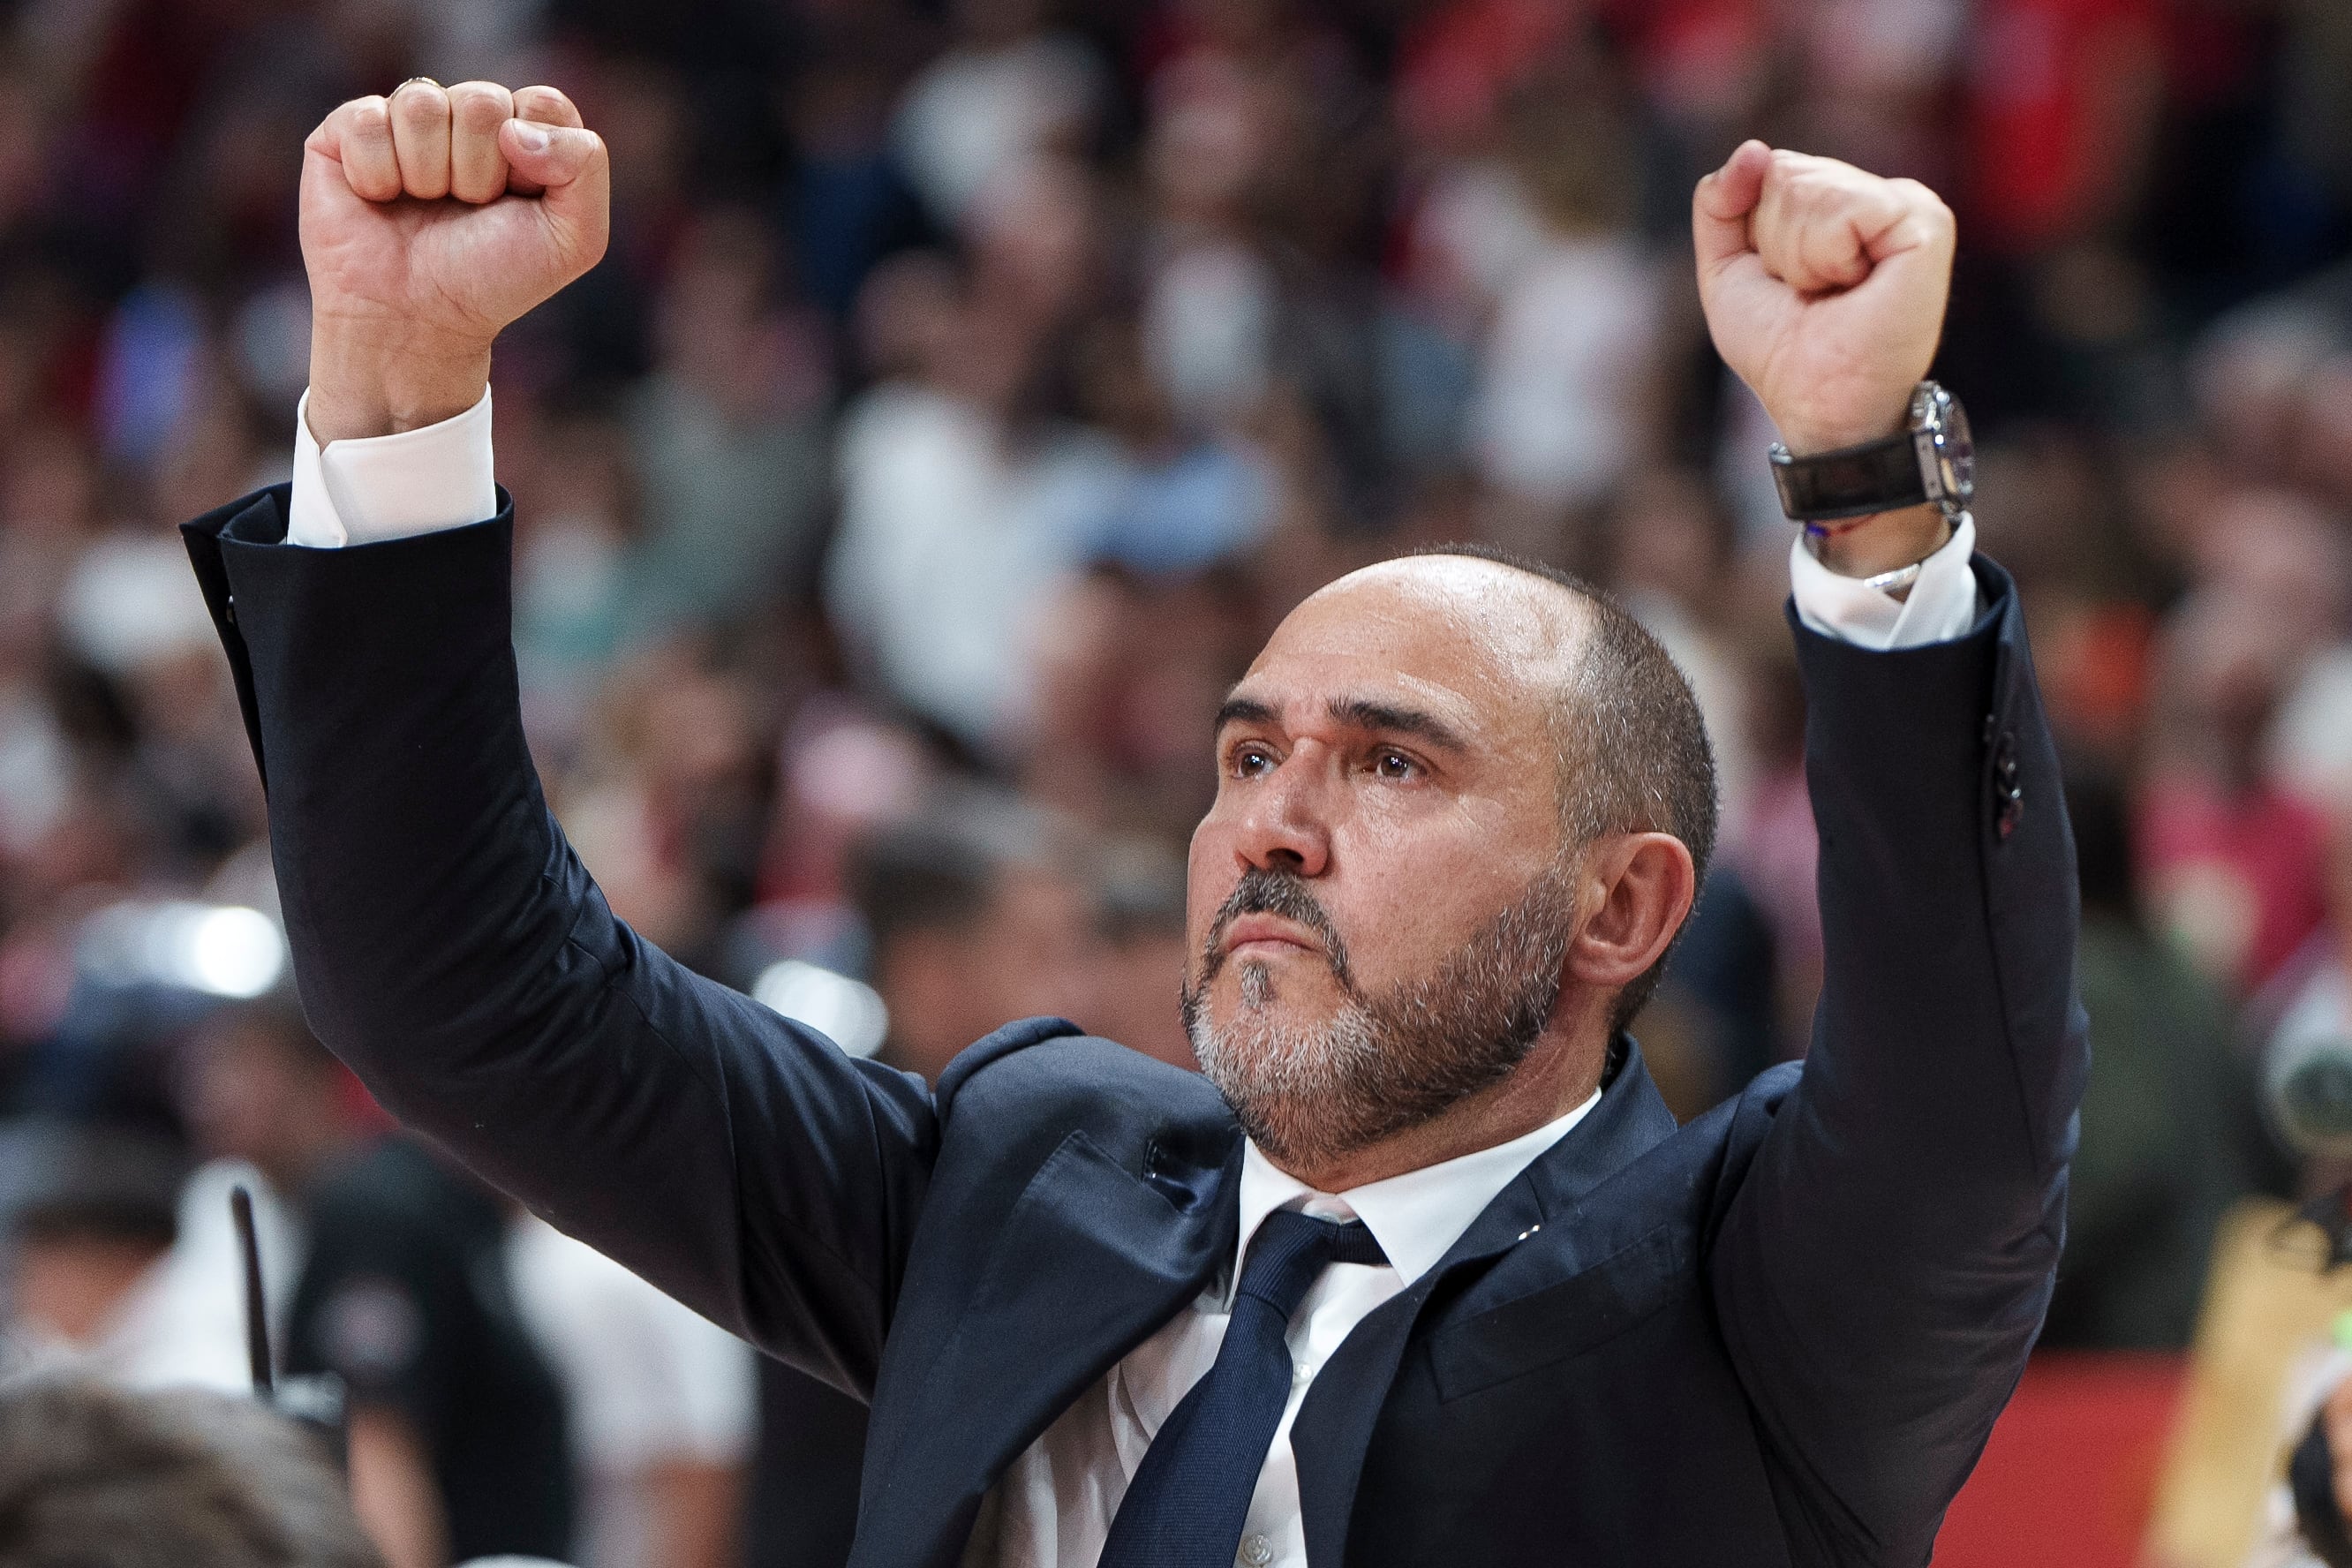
pixel 1423 1270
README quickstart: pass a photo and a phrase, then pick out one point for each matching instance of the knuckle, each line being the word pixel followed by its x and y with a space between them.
pixel 546 102
pixel 421 105
pixel 1920 195
pixel 479 105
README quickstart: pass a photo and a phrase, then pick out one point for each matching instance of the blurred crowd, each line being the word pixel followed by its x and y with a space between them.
pixel 969 388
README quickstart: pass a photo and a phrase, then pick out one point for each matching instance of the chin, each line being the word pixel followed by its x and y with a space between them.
pixel 1294 1075
pixel 1278 990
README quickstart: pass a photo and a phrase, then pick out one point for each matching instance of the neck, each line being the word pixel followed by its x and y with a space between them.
pixel 1561 1072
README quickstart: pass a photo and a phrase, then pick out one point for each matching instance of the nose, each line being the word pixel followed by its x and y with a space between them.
pixel 1285 823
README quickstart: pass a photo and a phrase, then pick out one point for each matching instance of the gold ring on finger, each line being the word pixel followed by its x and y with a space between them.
pixel 413 81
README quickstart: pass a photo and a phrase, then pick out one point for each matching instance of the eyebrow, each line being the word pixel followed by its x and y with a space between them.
pixel 1356 712
pixel 1243 710
pixel 1365 715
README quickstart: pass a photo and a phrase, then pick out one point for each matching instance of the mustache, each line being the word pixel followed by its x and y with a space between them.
pixel 1283 894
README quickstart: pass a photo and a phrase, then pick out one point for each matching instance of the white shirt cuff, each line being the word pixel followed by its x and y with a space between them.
pixel 1942 604
pixel 389 487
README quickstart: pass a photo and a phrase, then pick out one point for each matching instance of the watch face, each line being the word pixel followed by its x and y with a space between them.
pixel 1940 419
pixel 1958 452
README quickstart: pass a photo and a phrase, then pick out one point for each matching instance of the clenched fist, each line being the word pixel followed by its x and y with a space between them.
pixel 430 220
pixel 1825 289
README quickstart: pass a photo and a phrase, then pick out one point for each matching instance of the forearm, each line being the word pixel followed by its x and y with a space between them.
pixel 1949 904
pixel 1936 1026
pixel 1884 1265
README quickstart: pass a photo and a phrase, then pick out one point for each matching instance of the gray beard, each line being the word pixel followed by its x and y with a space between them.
pixel 1382 1064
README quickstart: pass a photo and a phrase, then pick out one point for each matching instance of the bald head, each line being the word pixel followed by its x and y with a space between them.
pixel 1531 622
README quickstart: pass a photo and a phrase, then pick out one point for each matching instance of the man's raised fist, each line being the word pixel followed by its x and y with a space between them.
pixel 1824 289
pixel 430 220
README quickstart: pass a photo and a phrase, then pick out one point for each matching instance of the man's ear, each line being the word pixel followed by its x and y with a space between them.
pixel 1642 885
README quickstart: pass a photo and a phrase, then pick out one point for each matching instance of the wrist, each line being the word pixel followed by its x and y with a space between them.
pixel 1806 440
pixel 1885 542
pixel 370 380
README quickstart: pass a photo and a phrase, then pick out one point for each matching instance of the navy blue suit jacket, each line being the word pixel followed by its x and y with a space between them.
pixel 1776 1336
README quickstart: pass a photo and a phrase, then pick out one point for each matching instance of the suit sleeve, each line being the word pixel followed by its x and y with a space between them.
pixel 1883 1268
pixel 450 947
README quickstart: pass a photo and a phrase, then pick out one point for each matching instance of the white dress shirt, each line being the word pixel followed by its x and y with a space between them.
pixel 1053 1505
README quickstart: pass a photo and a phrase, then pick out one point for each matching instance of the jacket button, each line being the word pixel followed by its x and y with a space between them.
pixel 228 609
pixel 2009 793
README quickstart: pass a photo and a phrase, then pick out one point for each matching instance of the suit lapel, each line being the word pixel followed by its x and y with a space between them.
pixel 1335 1424
pixel 1093 1258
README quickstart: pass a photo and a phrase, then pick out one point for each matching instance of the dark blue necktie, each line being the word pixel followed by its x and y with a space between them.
pixel 1190 1496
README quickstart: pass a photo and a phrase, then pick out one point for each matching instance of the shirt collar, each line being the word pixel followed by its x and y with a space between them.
pixel 1416 1216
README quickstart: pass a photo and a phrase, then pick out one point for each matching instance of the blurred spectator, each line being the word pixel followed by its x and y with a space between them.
pixel 459 1442
pixel 199 1286
pixel 959 509
pixel 2063 97
pixel 667 797
pixel 572 585
pixel 2172 1132
pixel 1191 499
pixel 261 1090
pixel 88 1243
pixel 2310 1000
pixel 977 914
pixel 93 1475
pixel 2232 860
pixel 1139 966
pixel 1008 89
pixel 660 1404
pixel 1131 671
pixel 269 1109
pixel 1562 410
pixel 1668 551
pixel 728 446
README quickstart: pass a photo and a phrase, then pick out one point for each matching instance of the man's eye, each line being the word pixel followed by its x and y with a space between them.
pixel 1395 765
pixel 1251 761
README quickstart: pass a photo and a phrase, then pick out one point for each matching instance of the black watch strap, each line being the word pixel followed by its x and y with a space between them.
pixel 1853 481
